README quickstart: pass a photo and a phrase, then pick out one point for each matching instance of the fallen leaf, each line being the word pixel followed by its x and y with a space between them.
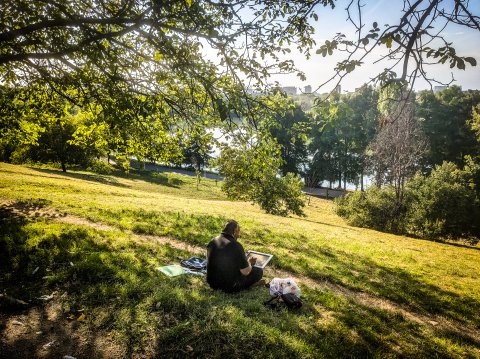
pixel 49 344
pixel 46 297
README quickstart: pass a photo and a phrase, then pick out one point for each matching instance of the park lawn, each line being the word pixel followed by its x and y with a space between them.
pixel 366 293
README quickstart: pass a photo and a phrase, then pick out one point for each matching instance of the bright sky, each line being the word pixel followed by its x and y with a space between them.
pixel 318 69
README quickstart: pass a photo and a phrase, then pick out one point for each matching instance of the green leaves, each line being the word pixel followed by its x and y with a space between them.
pixel 158 55
pixel 448 53
pixel 348 66
pixel 250 173
pixel 471 61
pixel 327 48
pixel 387 40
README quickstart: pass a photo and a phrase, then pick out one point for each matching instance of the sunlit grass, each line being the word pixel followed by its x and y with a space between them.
pixel 114 274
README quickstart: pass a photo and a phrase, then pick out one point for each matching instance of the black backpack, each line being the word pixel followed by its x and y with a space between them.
pixel 288 300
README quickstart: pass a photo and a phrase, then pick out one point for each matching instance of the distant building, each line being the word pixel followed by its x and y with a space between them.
pixel 308 89
pixel 290 90
pixel 253 92
pixel 439 88
pixel 338 89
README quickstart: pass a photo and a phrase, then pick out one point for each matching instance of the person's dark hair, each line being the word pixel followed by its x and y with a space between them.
pixel 230 227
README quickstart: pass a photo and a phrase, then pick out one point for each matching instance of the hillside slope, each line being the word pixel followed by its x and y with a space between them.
pixel 97 240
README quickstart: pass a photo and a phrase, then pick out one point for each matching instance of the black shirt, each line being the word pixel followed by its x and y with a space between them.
pixel 225 259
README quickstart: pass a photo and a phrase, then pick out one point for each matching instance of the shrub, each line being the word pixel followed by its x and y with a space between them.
pixel 100 167
pixel 281 195
pixel 440 206
pixel 250 173
pixel 375 208
pixel 443 205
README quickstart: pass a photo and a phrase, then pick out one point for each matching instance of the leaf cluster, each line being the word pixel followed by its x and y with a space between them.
pixel 251 173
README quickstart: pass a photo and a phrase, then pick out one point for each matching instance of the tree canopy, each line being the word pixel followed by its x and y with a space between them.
pixel 157 46
pixel 108 47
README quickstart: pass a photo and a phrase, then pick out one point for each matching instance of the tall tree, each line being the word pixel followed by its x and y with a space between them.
pixel 364 117
pixel 397 148
pixel 289 126
pixel 40 126
pixel 344 127
pixel 110 47
pixel 250 170
pixel 444 119
pixel 142 45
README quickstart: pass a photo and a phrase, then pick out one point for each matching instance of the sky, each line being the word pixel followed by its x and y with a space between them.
pixel 331 21
pixel 318 69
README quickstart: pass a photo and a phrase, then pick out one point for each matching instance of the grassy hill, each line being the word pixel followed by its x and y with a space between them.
pixel 97 240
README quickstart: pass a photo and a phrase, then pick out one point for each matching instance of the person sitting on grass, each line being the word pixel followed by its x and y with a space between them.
pixel 228 268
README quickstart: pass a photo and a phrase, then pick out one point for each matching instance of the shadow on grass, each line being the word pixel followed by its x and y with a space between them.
pixel 353 229
pixel 91 177
pixel 358 274
pixel 298 254
pixel 164 179
pixel 473 245
pixel 24 247
pixel 190 228
pixel 114 281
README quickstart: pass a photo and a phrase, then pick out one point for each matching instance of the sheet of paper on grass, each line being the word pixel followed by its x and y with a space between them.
pixel 172 270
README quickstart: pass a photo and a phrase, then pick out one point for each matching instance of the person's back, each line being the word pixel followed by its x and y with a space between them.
pixel 224 262
pixel 227 267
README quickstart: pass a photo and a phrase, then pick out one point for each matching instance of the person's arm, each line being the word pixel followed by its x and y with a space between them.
pixel 209 249
pixel 247 270
pixel 244 265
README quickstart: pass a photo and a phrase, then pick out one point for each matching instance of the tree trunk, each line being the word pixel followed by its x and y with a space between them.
pixel 64 168
pixel 361 181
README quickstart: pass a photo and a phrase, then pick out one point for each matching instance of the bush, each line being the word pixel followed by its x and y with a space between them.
pixel 375 208
pixel 440 206
pixel 100 167
pixel 250 173
pixel 443 205
pixel 281 196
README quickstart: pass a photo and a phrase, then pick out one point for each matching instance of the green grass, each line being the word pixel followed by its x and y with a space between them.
pixel 367 294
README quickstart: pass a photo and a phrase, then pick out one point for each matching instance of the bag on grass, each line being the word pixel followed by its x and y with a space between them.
pixel 289 301
pixel 280 286
pixel 285 293
pixel 194 263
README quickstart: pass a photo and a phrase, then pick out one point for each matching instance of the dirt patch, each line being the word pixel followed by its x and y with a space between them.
pixel 197 250
pixel 37 210
pixel 46 332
